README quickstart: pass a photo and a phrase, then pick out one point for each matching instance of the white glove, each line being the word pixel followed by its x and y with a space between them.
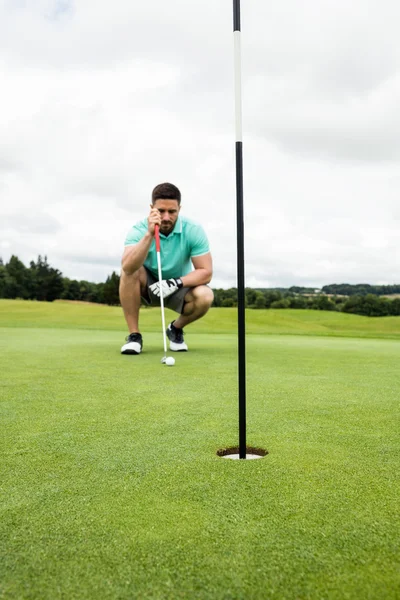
pixel 168 287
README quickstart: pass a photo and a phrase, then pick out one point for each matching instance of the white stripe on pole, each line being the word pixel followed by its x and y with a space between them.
pixel 238 84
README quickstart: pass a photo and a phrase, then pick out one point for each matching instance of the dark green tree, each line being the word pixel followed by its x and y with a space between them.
pixel 70 289
pixel 15 274
pixel 111 290
pixel 272 296
pixel 96 293
pixel 394 307
pixel 298 302
pixel 48 282
pixel 282 303
pixel 373 306
pixel 3 277
pixel 322 302
pixel 260 300
pixel 251 296
pixel 227 302
pixel 18 282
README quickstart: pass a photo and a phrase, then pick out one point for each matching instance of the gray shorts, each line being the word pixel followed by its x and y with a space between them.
pixel 175 301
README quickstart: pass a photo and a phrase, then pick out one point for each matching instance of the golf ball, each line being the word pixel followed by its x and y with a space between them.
pixel 169 361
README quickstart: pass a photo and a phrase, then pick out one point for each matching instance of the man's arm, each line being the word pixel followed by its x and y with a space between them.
pixel 134 256
pixel 202 273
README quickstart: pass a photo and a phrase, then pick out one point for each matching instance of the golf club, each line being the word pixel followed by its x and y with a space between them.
pixel 158 249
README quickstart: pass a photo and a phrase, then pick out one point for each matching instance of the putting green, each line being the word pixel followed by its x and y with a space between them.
pixel 111 486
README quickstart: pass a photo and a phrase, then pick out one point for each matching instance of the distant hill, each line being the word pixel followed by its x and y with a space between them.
pixel 361 289
pixel 340 289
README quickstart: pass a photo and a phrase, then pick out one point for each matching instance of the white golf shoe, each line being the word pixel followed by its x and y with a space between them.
pixel 134 344
pixel 176 341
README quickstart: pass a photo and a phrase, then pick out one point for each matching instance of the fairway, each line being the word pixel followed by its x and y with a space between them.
pixel 110 483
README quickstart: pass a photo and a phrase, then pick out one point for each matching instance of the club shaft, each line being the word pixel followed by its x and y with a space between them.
pixel 157 234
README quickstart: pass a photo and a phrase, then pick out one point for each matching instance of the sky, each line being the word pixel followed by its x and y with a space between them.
pixel 102 101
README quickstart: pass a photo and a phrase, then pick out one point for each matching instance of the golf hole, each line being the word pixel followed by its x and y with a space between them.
pixel 233 453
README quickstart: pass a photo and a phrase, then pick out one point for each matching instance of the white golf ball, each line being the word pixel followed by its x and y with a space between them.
pixel 170 361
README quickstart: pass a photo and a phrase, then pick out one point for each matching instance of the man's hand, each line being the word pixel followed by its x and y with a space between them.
pixel 168 287
pixel 153 219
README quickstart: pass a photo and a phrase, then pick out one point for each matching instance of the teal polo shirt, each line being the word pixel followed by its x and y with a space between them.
pixel 186 241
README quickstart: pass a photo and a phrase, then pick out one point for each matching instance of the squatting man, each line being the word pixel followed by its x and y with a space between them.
pixel 186 264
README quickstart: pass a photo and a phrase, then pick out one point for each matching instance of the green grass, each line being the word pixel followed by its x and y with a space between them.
pixel 67 315
pixel 110 483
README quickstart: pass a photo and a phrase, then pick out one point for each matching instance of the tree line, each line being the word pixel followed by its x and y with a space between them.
pixel 360 289
pixel 42 282
pixel 369 305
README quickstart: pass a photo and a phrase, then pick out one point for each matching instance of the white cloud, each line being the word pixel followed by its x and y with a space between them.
pixel 101 103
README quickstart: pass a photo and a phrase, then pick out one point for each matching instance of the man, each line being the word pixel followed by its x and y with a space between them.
pixel 186 263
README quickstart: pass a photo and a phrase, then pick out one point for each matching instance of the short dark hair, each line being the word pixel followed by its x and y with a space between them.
pixel 166 191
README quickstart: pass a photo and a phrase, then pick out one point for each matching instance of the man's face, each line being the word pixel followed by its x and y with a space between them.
pixel 169 211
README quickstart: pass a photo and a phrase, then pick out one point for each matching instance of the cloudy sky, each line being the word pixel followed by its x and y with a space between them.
pixel 101 101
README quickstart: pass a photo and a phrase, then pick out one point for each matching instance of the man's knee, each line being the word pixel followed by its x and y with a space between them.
pixel 128 276
pixel 208 295
pixel 202 295
pixel 128 279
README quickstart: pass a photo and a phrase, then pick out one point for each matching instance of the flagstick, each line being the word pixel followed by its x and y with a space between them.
pixel 240 233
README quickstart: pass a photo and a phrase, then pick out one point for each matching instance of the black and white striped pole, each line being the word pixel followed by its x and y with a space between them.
pixel 240 232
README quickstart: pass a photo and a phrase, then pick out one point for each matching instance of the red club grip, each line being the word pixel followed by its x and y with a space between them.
pixel 157 234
